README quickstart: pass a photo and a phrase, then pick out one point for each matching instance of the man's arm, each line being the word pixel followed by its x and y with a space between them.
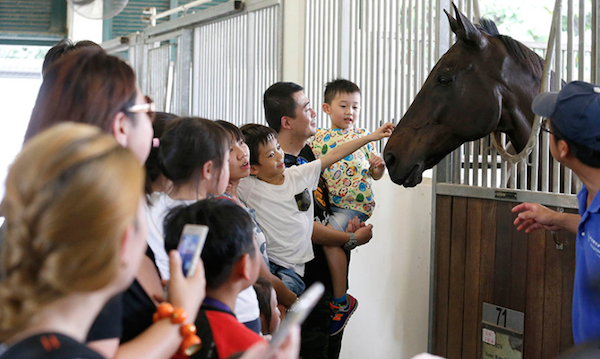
pixel 327 236
pixel 347 148
pixel 534 216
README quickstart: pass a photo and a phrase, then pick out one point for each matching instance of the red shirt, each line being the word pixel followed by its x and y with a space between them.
pixel 229 335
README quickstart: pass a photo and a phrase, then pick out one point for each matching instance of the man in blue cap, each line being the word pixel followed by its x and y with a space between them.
pixel 573 121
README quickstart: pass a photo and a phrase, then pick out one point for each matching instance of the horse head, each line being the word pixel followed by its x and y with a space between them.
pixel 485 82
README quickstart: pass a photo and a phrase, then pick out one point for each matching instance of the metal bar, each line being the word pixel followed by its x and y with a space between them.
pixel 545 161
pixel 548 199
pixel 401 95
pixel 581 34
pixel 409 43
pixel 456 165
pixel 251 49
pixel 196 73
pixel 416 50
pixel 212 13
pixel 476 162
pixel 570 35
pixel 522 173
pixel 484 161
pixel 466 162
pixel 535 165
pixel 378 64
pixel 178 9
pixel 494 167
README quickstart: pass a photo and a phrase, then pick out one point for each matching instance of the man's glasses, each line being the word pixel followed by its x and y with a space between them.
pixel 545 126
pixel 147 107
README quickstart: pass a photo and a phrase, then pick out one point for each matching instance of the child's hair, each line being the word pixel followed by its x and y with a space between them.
pixel 187 144
pixel 233 130
pixel 161 119
pixel 339 86
pixel 279 101
pixel 70 195
pixel 86 86
pixel 230 235
pixel 263 294
pixel 257 135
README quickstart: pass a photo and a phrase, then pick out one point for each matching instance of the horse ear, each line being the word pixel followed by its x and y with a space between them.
pixel 465 30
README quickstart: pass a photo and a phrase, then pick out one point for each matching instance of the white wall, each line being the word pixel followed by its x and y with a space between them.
pixel 390 277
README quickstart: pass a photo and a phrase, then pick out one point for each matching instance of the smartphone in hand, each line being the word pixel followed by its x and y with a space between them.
pixel 296 315
pixel 190 246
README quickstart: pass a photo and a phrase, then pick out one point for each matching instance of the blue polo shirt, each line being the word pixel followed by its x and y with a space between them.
pixel 586 294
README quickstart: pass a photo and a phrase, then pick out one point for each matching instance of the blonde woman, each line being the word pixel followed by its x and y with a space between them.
pixel 75 236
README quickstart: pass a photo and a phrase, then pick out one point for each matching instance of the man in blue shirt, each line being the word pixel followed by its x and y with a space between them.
pixel 573 121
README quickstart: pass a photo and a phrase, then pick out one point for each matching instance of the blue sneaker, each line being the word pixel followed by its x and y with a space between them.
pixel 341 313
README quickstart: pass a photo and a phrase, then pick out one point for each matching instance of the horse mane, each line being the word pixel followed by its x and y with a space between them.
pixel 521 53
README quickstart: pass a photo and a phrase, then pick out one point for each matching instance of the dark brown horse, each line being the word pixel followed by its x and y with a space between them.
pixel 485 82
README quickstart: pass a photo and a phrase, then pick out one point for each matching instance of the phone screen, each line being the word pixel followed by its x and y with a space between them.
pixel 297 314
pixel 190 246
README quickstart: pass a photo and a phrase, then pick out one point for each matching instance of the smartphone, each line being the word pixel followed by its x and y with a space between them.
pixel 190 246
pixel 296 315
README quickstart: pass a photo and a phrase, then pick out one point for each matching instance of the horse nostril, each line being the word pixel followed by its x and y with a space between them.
pixel 390 159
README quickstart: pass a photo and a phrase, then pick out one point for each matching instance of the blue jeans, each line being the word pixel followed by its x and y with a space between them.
pixel 290 278
pixel 340 217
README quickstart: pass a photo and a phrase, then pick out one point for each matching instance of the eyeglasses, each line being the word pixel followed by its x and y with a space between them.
pixel 545 126
pixel 147 107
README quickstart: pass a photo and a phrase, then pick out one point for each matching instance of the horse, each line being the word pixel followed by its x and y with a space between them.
pixel 485 82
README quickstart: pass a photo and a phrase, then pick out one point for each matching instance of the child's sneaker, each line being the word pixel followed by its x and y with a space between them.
pixel 341 313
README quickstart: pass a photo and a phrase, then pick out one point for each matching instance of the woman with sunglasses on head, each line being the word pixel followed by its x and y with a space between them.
pixel 89 86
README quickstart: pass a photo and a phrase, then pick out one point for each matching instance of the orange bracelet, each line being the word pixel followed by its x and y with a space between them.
pixel 191 343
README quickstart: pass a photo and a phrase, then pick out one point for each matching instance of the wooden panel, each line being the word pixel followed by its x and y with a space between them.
pixel 488 250
pixel 568 279
pixel 472 315
pixel 552 299
pixel 518 291
pixel 534 308
pixel 457 277
pixel 442 272
pixel 482 258
pixel 502 270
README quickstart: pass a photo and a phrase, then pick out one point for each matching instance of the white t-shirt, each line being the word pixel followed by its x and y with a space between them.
pixel 246 305
pixel 160 205
pixel 285 213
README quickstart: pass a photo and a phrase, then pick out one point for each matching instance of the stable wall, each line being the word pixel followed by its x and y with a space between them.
pixel 390 276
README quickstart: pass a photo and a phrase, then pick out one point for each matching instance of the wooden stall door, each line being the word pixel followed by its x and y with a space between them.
pixel 481 257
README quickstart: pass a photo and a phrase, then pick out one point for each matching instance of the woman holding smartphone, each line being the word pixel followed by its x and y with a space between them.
pixel 89 86
pixel 73 240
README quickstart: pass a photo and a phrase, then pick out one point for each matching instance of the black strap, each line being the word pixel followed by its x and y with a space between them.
pixel 49 346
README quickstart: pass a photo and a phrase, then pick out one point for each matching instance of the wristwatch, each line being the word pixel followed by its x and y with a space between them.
pixel 351 244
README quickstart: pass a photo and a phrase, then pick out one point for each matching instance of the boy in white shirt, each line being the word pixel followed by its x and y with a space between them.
pixel 283 202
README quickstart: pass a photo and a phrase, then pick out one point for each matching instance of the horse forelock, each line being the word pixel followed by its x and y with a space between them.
pixel 527 58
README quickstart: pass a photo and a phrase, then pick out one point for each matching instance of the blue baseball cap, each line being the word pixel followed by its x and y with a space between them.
pixel 574 110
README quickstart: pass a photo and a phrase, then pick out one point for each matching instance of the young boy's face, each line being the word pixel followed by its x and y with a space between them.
pixel 343 110
pixel 270 159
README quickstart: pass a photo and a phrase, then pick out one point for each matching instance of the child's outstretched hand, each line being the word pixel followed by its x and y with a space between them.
pixel 383 131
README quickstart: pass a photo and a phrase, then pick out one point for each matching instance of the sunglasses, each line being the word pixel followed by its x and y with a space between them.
pixel 147 107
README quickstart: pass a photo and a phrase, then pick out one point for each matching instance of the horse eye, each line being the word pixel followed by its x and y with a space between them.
pixel 444 80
